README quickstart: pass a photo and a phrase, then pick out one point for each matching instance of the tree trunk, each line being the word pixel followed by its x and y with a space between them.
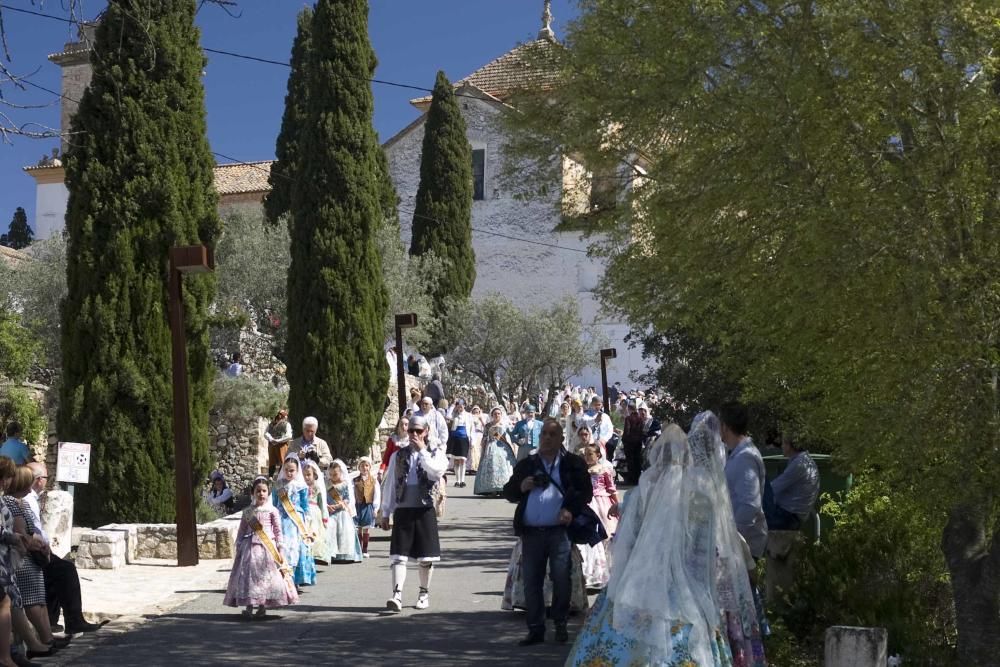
pixel 975 581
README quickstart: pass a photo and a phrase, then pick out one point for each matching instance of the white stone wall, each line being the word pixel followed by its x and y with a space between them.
pixel 51 200
pixel 526 272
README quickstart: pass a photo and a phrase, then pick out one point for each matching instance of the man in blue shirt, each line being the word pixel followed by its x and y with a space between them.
pixel 550 488
pixel 14 448
pixel 526 433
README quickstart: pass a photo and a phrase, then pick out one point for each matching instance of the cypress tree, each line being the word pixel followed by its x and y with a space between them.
pixel 19 235
pixel 284 169
pixel 139 175
pixel 336 295
pixel 442 219
pixel 388 199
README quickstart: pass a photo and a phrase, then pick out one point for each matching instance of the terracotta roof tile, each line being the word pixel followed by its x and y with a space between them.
pixel 12 257
pixel 515 70
pixel 237 178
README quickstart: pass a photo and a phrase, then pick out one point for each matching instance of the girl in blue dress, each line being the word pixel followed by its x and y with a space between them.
pixel 291 497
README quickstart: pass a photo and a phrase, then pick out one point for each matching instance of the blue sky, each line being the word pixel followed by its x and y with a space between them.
pixel 245 100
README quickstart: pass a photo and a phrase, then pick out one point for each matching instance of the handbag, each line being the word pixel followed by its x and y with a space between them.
pixel 586 527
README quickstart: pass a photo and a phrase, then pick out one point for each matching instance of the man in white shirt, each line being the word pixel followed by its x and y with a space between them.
pixel 408 498
pixel 62 583
pixel 437 427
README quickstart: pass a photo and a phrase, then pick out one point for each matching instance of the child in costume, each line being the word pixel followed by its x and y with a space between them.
pixel 367 500
pixel 342 535
pixel 291 498
pixel 316 520
pixel 260 577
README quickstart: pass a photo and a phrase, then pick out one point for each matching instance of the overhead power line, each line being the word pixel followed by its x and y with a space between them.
pixel 244 56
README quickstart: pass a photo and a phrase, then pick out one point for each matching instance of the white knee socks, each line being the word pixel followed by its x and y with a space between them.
pixel 460 471
pixel 426 570
pixel 398 577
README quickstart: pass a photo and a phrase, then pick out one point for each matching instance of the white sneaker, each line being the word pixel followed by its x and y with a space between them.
pixel 423 600
pixel 395 603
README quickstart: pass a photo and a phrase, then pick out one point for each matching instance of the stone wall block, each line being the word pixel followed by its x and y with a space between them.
pixel 847 646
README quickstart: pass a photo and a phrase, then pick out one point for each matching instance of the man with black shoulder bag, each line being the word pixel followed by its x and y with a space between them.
pixel 551 488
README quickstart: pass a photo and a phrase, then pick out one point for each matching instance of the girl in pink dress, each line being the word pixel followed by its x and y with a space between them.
pixel 602 477
pixel 260 577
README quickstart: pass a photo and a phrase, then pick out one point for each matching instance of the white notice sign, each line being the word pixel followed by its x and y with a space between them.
pixel 74 463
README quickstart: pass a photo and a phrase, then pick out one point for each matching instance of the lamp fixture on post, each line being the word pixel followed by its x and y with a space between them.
pixel 403 321
pixel 606 353
pixel 183 259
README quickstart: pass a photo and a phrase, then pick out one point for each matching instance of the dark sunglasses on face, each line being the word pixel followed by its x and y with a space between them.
pixel 416 430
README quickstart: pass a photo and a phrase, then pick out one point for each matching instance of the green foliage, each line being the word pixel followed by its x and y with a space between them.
pixel 283 171
pixel 442 219
pixel 17 405
pixel 241 398
pixel 252 259
pixel 410 281
pixel 139 175
pixel 822 205
pixel 39 287
pixel 514 352
pixel 881 566
pixel 19 234
pixel 337 299
pixel 17 347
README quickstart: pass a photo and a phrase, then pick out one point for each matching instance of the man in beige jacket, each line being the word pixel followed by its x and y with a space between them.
pixel 308 442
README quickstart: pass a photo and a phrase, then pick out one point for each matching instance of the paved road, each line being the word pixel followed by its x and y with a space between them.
pixel 343 619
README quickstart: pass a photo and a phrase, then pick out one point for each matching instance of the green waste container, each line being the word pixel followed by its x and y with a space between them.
pixel 834 483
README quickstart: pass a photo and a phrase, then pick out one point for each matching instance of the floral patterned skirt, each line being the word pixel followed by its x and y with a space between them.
pixel 600 645
pixel 256 580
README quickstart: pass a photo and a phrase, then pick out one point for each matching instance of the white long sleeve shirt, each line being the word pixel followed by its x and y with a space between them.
pixel 433 461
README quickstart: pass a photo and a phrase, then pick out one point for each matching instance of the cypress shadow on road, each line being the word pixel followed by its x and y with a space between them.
pixel 344 616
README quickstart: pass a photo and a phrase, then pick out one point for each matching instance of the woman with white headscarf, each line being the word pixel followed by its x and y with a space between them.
pixel 678 578
pixel 318 516
pixel 291 498
pixel 342 535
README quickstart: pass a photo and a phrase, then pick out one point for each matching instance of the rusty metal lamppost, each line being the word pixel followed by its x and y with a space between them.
pixel 606 353
pixel 403 321
pixel 184 259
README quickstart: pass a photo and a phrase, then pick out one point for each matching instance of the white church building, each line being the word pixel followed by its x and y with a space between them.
pixel 520 250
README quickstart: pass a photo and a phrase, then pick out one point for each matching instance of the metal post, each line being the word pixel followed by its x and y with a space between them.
pixel 606 353
pixel 187 259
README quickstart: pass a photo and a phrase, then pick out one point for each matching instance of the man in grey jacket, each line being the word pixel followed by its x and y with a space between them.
pixel 310 442
pixel 744 477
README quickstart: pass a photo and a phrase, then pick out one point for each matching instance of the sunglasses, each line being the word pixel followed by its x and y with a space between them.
pixel 416 430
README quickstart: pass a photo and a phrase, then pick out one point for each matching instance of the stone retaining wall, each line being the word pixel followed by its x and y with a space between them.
pixel 238 450
pixel 115 545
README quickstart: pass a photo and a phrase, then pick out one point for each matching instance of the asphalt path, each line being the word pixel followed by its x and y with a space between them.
pixel 343 620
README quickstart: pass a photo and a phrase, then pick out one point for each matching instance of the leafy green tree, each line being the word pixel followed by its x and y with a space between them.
pixel 442 218
pixel 39 287
pixel 279 200
pixel 336 295
pixel 252 258
pixel 821 202
pixel 19 234
pixel 139 176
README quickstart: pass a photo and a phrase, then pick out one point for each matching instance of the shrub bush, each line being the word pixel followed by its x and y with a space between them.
pixel 17 405
pixel 882 566
pixel 241 398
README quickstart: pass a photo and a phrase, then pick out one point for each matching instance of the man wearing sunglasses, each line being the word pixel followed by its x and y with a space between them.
pixel 408 497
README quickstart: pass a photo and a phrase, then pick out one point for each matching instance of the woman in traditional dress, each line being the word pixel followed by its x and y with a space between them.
pixel 367 501
pixel 219 496
pixel 278 435
pixel 497 463
pixel 318 516
pixel 564 412
pixel 477 445
pixel 459 439
pixel 677 574
pixel 572 424
pixel 290 497
pixel 596 566
pixel 12 549
pixel 397 440
pixel 513 590
pixel 260 577
pixel 342 535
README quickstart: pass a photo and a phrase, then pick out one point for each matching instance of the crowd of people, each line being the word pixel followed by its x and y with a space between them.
pixel 36 585
pixel 673 562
